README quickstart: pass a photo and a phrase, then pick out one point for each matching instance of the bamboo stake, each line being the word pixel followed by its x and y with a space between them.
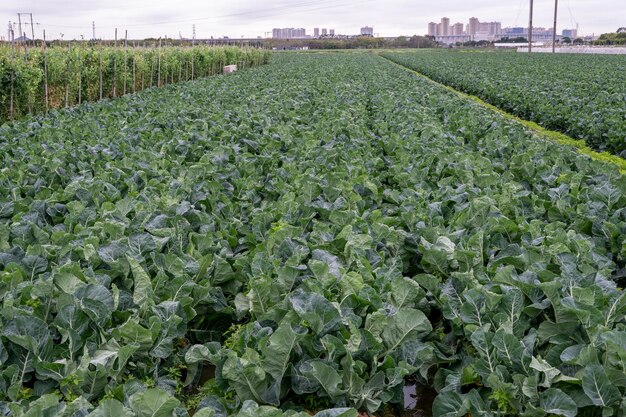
pixel 134 70
pixel 80 78
pixel 100 69
pixel 186 69
pixel 11 105
pixel 172 74
pixel 67 73
pixel 45 71
pixel 25 48
pixel 180 66
pixel 151 67
pixel 115 65
pixel 143 63
pixel 159 70
pixel 192 66
pixel 165 64
pixel 125 52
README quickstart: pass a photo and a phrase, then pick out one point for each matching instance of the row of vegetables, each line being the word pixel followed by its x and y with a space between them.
pixel 301 238
pixel 583 96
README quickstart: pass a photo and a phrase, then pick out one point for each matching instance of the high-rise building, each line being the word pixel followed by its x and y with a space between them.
pixel 432 29
pixel 490 28
pixel 316 32
pixel 439 29
pixel 367 31
pixel 473 26
pixel 324 31
pixel 331 32
pixel 570 33
pixel 445 26
pixel 457 29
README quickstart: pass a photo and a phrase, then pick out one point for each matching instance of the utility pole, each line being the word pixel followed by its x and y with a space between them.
pixel 530 28
pixel 556 7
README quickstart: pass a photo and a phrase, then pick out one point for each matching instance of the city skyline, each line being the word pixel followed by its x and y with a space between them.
pixel 475 30
pixel 253 19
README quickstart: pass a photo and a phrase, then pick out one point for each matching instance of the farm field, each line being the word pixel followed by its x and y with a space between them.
pixel 313 233
pixel 582 96
pixel 35 80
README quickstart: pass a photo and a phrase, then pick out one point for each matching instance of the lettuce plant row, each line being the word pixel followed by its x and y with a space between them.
pixel 583 96
pixel 303 236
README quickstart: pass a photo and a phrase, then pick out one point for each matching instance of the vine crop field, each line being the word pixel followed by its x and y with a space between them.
pixel 80 72
pixel 580 95
pixel 306 236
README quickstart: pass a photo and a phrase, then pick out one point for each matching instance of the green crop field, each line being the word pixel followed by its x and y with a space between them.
pixel 583 96
pixel 306 236
pixel 36 79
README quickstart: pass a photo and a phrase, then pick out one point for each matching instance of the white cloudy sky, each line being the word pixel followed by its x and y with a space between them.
pixel 252 18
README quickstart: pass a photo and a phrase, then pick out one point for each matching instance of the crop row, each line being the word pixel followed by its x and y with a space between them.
pixel 318 230
pixel 34 80
pixel 583 96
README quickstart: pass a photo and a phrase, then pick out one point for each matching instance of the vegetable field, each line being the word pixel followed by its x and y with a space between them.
pixel 581 96
pixel 35 80
pixel 306 235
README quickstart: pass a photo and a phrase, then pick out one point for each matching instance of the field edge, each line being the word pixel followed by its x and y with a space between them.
pixel 535 128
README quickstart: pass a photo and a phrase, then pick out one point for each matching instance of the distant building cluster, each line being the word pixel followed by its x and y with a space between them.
pixel 318 33
pixel 289 33
pixel 300 33
pixel 540 34
pixel 474 30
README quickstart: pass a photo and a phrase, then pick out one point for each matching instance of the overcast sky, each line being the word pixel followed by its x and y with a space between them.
pixel 252 18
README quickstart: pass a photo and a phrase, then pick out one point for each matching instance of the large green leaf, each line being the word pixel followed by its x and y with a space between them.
pixel 598 387
pixel 554 401
pixel 403 327
pixel 153 403
pixel 111 408
pixel 142 289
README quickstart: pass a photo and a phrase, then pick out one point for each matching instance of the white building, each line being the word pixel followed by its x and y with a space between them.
pixel 288 33
pixel 432 29
pixel 570 33
pixel 445 26
pixel 367 31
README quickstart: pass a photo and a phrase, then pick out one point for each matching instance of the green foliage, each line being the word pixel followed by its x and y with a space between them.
pixel 579 95
pixel 618 38
pixel 314 231
pixel 358 42
pixel 73 72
